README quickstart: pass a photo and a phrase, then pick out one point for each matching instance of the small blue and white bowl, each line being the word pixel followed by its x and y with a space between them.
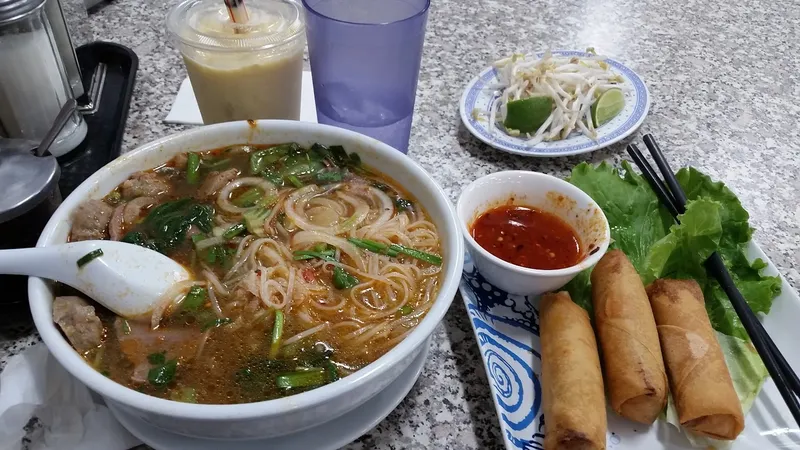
pixel 543 192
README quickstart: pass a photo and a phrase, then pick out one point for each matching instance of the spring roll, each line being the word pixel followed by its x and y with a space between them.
pixel 701 384
pixel 572 383
pixel 632 362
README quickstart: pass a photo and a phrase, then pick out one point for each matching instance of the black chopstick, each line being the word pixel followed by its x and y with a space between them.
pixel 717 267
pixel 674 199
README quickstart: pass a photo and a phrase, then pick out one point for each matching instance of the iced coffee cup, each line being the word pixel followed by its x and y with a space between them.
pixel 240 71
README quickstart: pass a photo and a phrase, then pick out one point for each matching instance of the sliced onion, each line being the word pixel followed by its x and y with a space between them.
pixel 387 206
pixel 224 196
pixel 295 210
pixel 210 242
pixel 308 238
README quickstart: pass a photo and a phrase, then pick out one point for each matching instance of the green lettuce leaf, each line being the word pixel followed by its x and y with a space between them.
pixel 681 253
pixel 634 213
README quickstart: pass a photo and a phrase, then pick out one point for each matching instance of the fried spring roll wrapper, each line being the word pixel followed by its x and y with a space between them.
pixel 632 362
pixel 699 378
pixel 572 383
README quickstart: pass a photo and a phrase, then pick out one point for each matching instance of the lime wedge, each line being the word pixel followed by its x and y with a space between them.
pixel 607 106
pixel 528 114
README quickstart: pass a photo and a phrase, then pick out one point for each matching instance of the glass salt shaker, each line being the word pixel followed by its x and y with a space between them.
pixel 34 83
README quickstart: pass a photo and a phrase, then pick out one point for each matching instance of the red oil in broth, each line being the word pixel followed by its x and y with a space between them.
pixel 528 237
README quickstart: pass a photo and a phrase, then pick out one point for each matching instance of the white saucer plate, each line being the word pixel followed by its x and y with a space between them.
pixel 478 96
pixel 328 436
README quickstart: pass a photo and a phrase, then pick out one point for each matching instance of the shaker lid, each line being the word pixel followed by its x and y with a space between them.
pixel 11 10
pixel 25 181
pixel 206 24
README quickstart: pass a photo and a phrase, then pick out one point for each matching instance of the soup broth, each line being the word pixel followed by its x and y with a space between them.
pixel 307 266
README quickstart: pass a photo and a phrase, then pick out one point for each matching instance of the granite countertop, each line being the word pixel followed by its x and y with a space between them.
pixel 724 83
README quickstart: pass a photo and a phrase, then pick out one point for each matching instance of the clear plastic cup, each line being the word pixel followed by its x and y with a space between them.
pixel 242 71
pixel 365 57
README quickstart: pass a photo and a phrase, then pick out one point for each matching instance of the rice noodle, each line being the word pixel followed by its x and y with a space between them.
pixel 300 336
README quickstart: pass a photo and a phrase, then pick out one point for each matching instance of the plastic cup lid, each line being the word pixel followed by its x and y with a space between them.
pixel 25 181
pixel 206 24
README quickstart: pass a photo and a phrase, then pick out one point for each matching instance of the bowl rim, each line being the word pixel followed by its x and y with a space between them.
pixel 66 355
pixel 565 188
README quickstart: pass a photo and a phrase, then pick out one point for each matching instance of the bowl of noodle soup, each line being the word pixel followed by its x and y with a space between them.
pixel 322 261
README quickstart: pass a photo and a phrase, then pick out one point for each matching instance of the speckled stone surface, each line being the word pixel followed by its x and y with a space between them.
pixel 724 82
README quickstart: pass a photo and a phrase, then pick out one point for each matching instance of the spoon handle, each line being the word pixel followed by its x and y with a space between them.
pixel 58 262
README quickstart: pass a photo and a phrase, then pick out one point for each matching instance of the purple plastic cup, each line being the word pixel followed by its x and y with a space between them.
pixel 365 57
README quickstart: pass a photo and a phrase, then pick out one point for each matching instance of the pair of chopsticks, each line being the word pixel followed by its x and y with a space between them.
pixel 674 199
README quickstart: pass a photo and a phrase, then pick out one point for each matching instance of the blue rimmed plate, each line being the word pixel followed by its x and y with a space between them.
pixel 477 96
pixel 507 330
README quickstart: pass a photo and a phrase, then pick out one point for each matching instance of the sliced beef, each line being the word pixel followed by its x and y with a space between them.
pixel 214 182
pixel 134 208
pixel 180 160
pixel 144 184
pixel 78 321
pixel 90 220
pixel 115 226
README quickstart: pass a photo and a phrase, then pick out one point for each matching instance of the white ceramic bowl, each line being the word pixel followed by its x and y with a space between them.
pixel 544 192
pixel 273 417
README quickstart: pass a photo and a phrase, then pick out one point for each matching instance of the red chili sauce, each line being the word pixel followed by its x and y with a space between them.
pixel 528 237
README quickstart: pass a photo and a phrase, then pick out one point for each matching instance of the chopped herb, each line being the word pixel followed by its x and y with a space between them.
pixel 405 310
pixel 89 257
pixel 193 168
pixel 216 323
pixel 254 220
pixel 248 197
pixel 194 299
pixel 114 197
pixel 342 279
pixel 186 395
pixel 332 371
pixel 166 225
pixel 328 255
pixel 328 176
pixel 295 181
pixel 157 358
pixel 163 374
pixel 403 204
pixel 234 230
pixel 126 327
pixel 277 334
pixel 373 246
pixel 302 379
pixel 106 373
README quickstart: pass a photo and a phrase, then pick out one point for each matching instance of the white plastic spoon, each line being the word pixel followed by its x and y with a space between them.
pixel 127 279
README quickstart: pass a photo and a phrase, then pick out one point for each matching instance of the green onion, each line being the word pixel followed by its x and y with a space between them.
pixel 277 333
pixel 89 257
pixel 333 372
pixel 302 379
pixel 163 374
pixel 215 323
pixel 185 394
pixel 106 374
pixel 193 168
pixel 328 176
pixel 234 231
pixel 342 279
pixel 375 247
pixel 248 198
pixel 403 204
pixel 436 260
pixel 157 358
pixel 114 197
pixel 405 310
pixel 126 327
pixel 300 255
pixel 295 181
pixel 194 299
